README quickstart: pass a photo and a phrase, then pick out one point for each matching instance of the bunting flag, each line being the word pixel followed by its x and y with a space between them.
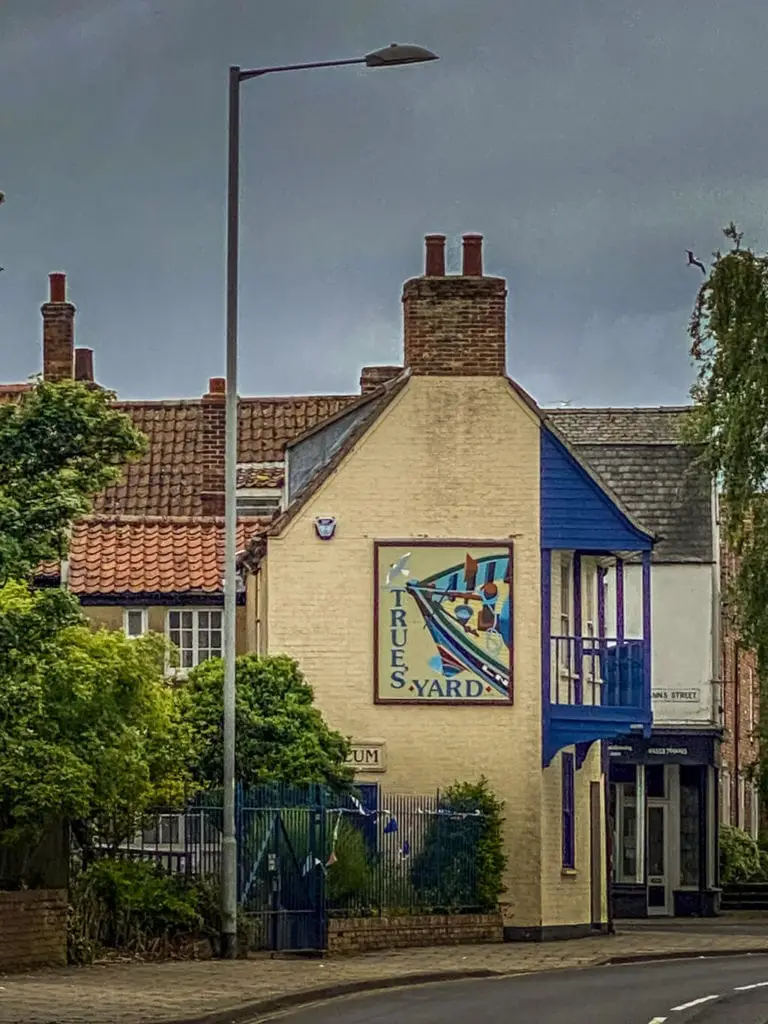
pixel 405 849
pixel 390 827
pixel 332 857
pixel 310 863
pixel 439 812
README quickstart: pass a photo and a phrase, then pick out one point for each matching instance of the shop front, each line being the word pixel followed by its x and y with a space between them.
pixel 663 818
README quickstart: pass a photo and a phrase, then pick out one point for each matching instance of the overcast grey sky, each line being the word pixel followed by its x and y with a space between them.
pixel 590 141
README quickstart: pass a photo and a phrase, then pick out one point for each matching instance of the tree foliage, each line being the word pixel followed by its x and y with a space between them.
pixel 741 859
pixel 462 862
pixel 60 444
pixel 281 735
pixel 729 334
pixel 89 728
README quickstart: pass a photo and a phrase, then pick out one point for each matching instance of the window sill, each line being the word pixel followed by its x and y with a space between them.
pixel 569 872
pixel 177 674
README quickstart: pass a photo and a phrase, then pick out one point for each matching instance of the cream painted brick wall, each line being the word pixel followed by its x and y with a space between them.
pixel 452 458
pixel 566 899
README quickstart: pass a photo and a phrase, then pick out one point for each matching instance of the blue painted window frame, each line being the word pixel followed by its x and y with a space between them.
pixel 569 811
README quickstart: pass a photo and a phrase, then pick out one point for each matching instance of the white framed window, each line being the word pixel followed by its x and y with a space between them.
pixel 196 633
pixel 590 602
pixel 566 571
pixel 589 630
pixel 134 622
pixel 258 501
pixel 741 817
pixel 627 840
pixel 565 652
pixel 751 706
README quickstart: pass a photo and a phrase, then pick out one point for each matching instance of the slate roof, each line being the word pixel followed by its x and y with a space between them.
pixel 131 555
pixel 659 425
pixel 639 453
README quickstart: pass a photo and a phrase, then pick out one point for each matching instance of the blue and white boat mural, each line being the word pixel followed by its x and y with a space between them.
pixel 465 608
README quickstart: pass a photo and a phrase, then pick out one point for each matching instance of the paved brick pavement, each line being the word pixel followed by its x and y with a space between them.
pixel 137 993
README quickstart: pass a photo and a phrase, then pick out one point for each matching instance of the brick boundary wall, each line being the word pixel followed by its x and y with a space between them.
pixel 33 929
pixel 364 934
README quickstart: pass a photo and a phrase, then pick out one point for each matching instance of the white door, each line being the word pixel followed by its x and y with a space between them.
pixel 659 894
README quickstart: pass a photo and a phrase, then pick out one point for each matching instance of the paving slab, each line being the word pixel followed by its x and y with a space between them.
pixel 197 991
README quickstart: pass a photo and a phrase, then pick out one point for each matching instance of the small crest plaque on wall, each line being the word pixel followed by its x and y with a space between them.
pixel 325 527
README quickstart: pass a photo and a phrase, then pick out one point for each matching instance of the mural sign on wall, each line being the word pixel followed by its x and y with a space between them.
pixel 368 756
pixel 443 616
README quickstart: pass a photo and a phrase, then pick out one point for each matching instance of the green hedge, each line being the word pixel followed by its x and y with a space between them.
pixel 741 859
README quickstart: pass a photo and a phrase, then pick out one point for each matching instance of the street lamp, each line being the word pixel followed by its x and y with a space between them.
pixel 389 56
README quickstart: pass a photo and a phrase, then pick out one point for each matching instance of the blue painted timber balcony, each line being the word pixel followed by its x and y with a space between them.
pixel 597 672
pixel 596 679
pixel 597 691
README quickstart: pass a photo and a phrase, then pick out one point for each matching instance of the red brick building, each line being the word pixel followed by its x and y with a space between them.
pixel 739 796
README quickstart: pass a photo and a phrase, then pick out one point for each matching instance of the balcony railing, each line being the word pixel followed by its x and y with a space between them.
pixel 597 672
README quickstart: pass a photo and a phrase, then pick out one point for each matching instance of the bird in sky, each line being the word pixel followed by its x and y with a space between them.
pixel 693 262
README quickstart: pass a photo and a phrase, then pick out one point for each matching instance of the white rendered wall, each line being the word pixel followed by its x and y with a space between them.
pixel 681 637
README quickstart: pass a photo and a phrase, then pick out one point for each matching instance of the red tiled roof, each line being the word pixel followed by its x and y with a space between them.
pixel 168 480
pixel 151 554
pixel 260 476
pixel 8 392
pixel 48 571
pixel 268 424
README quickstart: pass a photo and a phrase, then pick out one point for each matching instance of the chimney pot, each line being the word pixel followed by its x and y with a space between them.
pixel 57 287
pixel 84 364
pixel 455 325
pixel 58 332
pixel 435 256
pixel 473 256
pixel 217 386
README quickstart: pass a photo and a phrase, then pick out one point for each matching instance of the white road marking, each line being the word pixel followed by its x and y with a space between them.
pixel 748 988
pixel 657 1020
pixel 694 1002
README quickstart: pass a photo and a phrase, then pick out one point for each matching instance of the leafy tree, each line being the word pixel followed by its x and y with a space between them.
pixel 60 444
pixel 89 728
pixel 729 334
pixel 281 735
pixel 88 725
pixel 741 859
pixel 462 862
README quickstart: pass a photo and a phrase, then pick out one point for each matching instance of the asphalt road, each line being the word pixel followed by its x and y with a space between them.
pixel 724 990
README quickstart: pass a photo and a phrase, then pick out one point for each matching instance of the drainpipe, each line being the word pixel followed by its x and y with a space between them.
pixel 736 728
pixel 717 673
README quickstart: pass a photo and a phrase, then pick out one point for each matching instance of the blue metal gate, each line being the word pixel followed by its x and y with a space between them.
pixel 281 870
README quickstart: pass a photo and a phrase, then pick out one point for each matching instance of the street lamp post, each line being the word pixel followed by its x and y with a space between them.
pixel 390 56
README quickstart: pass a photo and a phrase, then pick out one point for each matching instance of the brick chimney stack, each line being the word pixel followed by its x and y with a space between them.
pixel 372 377
pixel 58 332
pixel 455 325
pixel 213 447
pixel 84 365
